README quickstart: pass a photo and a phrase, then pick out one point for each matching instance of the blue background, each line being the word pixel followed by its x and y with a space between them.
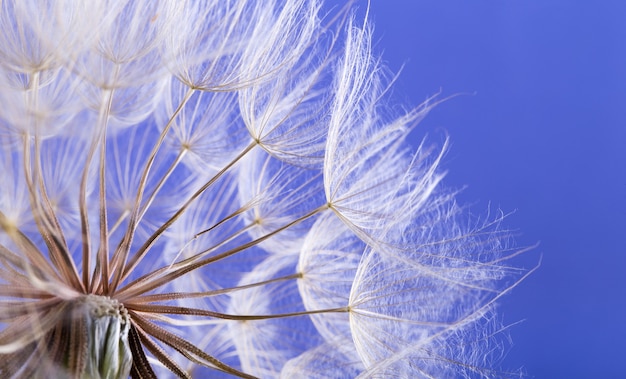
pixel 542 133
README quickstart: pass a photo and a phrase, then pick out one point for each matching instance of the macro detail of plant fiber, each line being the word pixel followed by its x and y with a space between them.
pixel 221 189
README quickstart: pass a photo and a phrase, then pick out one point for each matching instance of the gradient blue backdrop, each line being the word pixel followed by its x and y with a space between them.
pixel 544 135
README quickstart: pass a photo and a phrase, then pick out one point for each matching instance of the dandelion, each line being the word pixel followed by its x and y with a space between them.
pixel 216 189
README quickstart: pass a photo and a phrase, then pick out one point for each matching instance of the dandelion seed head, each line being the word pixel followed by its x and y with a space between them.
pixel 218 189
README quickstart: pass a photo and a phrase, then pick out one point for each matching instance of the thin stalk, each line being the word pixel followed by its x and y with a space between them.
pixel 140 254
pixel 186 348
pixel 205 252
pixel 34 256
pixel 119 221
pixel 103 248
pixel 195 295
pixel 179 157
pixel 149 282
pixel 236 213
pixel 32 259
pixel 175 310
pixel 160 354
pixel 193 258
pixel 59 251
pixel 99 139
pixel 122 251
pixel 43 214
pixel 57 246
